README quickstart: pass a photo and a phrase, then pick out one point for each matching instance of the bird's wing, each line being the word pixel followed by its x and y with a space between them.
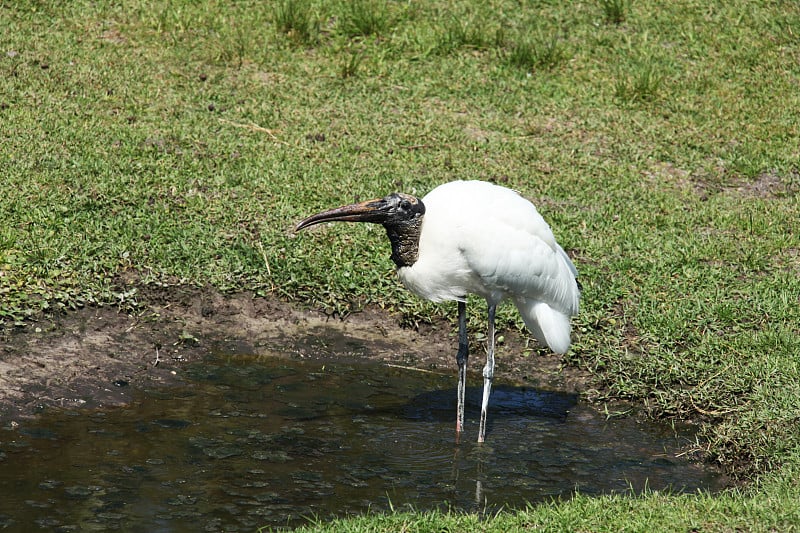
pixel 503 241
pixel 515 263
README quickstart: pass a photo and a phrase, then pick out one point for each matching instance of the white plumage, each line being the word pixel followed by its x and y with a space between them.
pixel 479 238
pixel 473 237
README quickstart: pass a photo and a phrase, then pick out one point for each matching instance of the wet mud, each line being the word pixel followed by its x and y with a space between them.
pixel 97 356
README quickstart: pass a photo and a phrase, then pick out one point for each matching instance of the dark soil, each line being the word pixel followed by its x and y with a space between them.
pixel 97 356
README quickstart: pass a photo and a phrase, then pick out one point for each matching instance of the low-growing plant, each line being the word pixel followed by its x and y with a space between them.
pixel 350 63
pixel 615 11
pixel 458 32
pixel 297 20
pixel 642 84
pixel 543 52
pixel 234 46
pixel 360 18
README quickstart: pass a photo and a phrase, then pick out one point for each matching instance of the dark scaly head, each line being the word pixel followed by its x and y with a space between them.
pixel 401 215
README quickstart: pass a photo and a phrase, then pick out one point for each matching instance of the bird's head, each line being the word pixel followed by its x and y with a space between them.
pixel 401 215
pixel 396 210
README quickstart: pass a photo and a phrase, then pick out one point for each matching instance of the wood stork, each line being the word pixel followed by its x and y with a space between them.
pixel 475 237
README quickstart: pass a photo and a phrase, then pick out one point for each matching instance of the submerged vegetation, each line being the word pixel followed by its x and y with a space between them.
pixel 163 142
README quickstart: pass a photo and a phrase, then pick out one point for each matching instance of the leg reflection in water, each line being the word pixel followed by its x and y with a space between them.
pixel 463 471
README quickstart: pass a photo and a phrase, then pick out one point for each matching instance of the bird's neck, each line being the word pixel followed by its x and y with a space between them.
pixel 405 241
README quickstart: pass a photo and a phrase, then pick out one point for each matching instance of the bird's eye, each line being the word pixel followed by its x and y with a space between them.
pixel 405 205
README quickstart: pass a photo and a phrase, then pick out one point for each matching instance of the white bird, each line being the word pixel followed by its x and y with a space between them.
pixel 473 237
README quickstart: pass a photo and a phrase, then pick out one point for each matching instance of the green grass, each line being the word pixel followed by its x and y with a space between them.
pixel 653 513
pixel 542 52
pixel 772 509
pixel 295 19
pixel 615 11
pixel 642 84
pixel 362 18
pixel 165 142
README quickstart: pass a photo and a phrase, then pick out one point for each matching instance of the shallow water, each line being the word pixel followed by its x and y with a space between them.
pixel 272 441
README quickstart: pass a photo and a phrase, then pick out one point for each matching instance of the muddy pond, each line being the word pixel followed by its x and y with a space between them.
pixel 275 441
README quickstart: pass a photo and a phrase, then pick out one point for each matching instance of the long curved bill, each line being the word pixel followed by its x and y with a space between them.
pixel 369 211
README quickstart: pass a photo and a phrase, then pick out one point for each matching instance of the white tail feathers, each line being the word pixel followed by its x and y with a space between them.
pixel 550 327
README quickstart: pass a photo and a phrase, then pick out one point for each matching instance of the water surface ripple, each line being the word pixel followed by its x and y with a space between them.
pixel 273 441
